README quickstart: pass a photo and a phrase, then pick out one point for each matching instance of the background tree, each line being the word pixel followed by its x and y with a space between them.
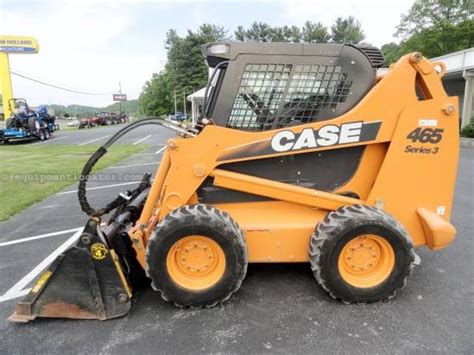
pixel 184 72
pixel 435 28
pixel 156 98
pixel 426 14
pixel 315 33
pixel 285 34
pixel 185 64
pixel 258 32
pixel 347 30
pixel 262 32
pixel 391 52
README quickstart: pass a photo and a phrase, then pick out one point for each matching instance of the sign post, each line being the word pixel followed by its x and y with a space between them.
pixel 12 45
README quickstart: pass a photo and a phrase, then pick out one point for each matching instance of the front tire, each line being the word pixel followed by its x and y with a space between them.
pixel 40 134
pixel 197 257
pixel 361 254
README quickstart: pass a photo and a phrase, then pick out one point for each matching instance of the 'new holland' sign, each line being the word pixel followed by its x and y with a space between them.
pixel 18 44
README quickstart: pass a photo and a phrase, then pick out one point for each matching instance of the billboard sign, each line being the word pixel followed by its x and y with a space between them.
pixel 120 97
pixel 18 45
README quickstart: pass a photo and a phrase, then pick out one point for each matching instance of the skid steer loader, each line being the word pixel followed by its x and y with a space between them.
pixel 303 154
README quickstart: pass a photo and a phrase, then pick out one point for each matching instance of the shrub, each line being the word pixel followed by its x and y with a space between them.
pixel 468 131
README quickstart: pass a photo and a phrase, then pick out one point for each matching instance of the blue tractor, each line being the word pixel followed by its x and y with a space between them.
pixel 46 119
pixel 25 123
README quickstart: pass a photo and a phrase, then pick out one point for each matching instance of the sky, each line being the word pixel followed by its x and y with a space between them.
pixel 91 46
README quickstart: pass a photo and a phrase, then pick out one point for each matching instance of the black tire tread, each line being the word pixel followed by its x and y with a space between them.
pixel 333 223
pixel 206 214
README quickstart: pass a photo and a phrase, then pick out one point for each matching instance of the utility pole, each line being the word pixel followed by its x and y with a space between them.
pixel 175 104
pixel 184 102
pixel 120 102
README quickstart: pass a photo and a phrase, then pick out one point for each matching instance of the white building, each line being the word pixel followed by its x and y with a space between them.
pixel 197 99
pixel 459 80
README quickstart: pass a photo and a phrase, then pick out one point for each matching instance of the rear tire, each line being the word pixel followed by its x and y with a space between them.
pixel 361 254
pixel 197 257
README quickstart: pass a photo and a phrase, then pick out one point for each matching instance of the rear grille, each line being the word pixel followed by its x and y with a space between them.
pixel 373 53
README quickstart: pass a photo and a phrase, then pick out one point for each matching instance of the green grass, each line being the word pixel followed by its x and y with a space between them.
pixel 67 129
pixel 76 128
pixel 29 173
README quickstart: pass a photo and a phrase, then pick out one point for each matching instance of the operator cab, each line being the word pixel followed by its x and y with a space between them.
pixel 263 86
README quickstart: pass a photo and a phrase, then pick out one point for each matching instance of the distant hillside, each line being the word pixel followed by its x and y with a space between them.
pixel 130 107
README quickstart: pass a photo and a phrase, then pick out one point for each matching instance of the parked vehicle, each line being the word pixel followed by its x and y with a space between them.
pixel 108 118
pixel 85 122
pixel 123 117
pixel 73 123
pixel 89 122
pixel 47 119
pixel 24 123
pixel 178 116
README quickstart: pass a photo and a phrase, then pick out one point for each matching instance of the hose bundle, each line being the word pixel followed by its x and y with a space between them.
pixel 99 153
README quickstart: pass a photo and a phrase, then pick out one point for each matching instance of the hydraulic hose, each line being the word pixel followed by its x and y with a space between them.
pixel 102 150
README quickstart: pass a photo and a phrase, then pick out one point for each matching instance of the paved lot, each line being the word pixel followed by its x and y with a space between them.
pixel 279 308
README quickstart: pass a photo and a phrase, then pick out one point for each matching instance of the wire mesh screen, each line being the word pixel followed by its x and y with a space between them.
pixel 279 95
pixel 259 96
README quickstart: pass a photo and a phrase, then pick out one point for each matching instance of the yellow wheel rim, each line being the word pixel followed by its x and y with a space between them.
pixel 196 262
pixel 366 261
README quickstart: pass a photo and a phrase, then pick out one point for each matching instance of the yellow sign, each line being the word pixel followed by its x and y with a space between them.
pixel 18 44
pixel 98 251
pixel 12 45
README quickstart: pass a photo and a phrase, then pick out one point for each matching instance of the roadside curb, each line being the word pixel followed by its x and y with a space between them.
pixel 467 142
